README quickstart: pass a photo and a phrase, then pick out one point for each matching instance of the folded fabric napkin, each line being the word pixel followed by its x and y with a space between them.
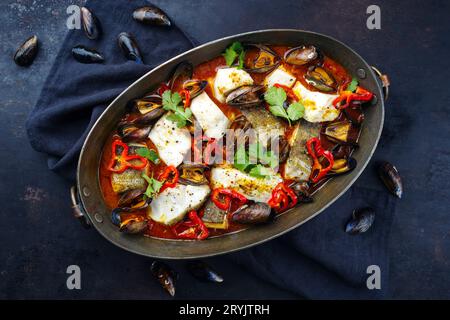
pixel 317 260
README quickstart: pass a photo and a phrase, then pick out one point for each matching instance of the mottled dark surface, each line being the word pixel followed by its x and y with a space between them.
pixel 40 238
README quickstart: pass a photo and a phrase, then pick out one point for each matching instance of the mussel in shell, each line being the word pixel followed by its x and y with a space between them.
pixel 245 96
pixel 130 132
pixel 148 103
pixel 192 174
pixel 26 53
pixel 301 55
pixel 342 166
pixel 133 199
pixel 255 213
pixel 388 173
pixel 86 55
pixel 355 114
pixel 361 220
pixel 129 223
pixel 151 15
pixel 265 61
pixel 320 79
pixel 240 123
pixel 91 25
pixel 203 272
pixel 165 275
pixel 301 189
pixel 195 87
pixel 181 73
pixel 341 132
pixel 129 47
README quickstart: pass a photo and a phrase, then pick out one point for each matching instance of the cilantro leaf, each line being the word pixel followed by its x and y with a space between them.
pixel 150 154
pixel 352 85
pixel 153 186
pixel 171 101
pixel 275 96
pixel 241 159
pixel 180 115
pixel 279 111
pixel 247 161
pixel 235 50
pixel 259 171
pixel 295 111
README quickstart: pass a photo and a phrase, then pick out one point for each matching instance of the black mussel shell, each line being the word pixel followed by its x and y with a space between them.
pixel 255 213
pixel 355 114
pixel 182 72
pixel 342 166
pixel 151 15
pixel 129 132
pixel 341 132
pixel 132 198
pixel 320 79
pixel 195 87
pixel 361 220
pixel 148 103
pixel 388 173
pixel 150 117
pixel 301 55
pixel 129 47
pixel 26 53
pixel 301 189
pixel 91 25
pixel 165 275
pixel 192 174
pixel 86 55
pixel 265 61
pixel 245 96
pixel 203 272
pixel 134 225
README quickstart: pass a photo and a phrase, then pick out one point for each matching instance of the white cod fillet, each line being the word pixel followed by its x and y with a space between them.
pixel 256 189
pixel 318 105
pixel 172 204
pixel 279 76
pixel 212 120
pixel 172 142
pixel 228 79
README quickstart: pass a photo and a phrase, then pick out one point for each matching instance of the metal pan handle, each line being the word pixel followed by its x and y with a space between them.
pixel 384 81
pixel 78 209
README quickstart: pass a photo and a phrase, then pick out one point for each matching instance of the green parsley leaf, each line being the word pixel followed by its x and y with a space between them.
pixel 241 159
pixel 295 111
pixel 279 111
pixel 275 96
pixel 235 50
pixel 259 171
pixel 171 103
pixel 246 161
pixel 150 154
pixel 352 85
pixel 153 186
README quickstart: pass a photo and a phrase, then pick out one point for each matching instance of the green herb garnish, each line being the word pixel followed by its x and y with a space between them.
pixel 153 186
pixel 235 50
pixel 246 161
pixel 150 154
pixel 276 97
pixel 171 102
pixel 352 85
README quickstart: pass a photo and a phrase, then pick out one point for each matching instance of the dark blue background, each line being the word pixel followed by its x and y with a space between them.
pixel 40 239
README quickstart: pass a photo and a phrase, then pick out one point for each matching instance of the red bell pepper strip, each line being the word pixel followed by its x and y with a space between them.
pixel 222 198
pixel 346 97
pixel 194 229
pixel 283 198
pixel 187 97
pixel 291 95
pixel 120 161
pixel 316 151
pixel 169 178
pixel 162 88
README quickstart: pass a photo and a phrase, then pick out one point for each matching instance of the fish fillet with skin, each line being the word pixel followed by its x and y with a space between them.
pixel 228 79
pixel 265 124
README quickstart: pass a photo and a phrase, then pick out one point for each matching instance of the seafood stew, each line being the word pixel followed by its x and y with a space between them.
pixel 232 142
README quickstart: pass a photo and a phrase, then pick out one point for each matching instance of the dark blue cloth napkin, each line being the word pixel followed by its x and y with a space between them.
pixel 317 260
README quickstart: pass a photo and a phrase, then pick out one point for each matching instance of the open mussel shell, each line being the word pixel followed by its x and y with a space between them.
pixel 255 213
pixel 129 47
pixel 129 132
pixel 342 166
pixel 165 275
pixel 86 55
pixel 265 61
pixel 301 189
pixel 91 25
pixel 192 174
pixel 127 222
pixel 355 114
pixel 361 220
pixel 182 72
pixel 151 15
pixel 388 173
pixel 203 272
pixel 148 103
pixel 195 87
pixel 320 79
pixel 341 132
pixel 133 199
pixel 301 55
pixel 245 96
pixel 26 53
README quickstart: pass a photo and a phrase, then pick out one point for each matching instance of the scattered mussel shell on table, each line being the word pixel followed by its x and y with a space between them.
pixel 301 55
pixel 265 61
pixel 341 132
pixel 166 276
pixel 195 87
pixel 203 272
pixel 129 47
pixel 320 79
pixel 26 53
pixel 86 55
pixel 255 213
pixel 342 166
pixel 245 96
pixel 129 132
pixel 361 220
pixel 390 176
pixel 151 15
pixel 181 73
pixel 192 174
pixel 91 25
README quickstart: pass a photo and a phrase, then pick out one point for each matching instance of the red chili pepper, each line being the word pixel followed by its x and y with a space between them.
pixel 283 198
pixel 222 198
pixel 169 178
pixel 346 97
pixel 162 88
pixel 187 97
pixel 120 161
pixel 316 151
pixel 195 228
pixel 288 91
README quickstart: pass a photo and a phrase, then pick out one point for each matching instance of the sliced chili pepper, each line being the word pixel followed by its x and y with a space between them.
pixel 169 178
pixel 187 97
pixel 222 198
pixel 289 92
pixel 346 97
pixel 162 88
pixel 121 160
pixel 193 229
pixel 283 198
pixel 316 151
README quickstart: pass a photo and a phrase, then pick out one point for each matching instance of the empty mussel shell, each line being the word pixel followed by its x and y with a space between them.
pixel 129 47
pixel 361 220
pixel 388 173
pixel 265 61
pixel 91 25
pixel 342 166
pixel 165 275
pixel 195 87
pixel 181 73
pixel 255 213
pixel 203 272
pixel 86 55
pixel 26 53
pixel 301 55
pixel 245 96
pixel 320 79
pixel 151 15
